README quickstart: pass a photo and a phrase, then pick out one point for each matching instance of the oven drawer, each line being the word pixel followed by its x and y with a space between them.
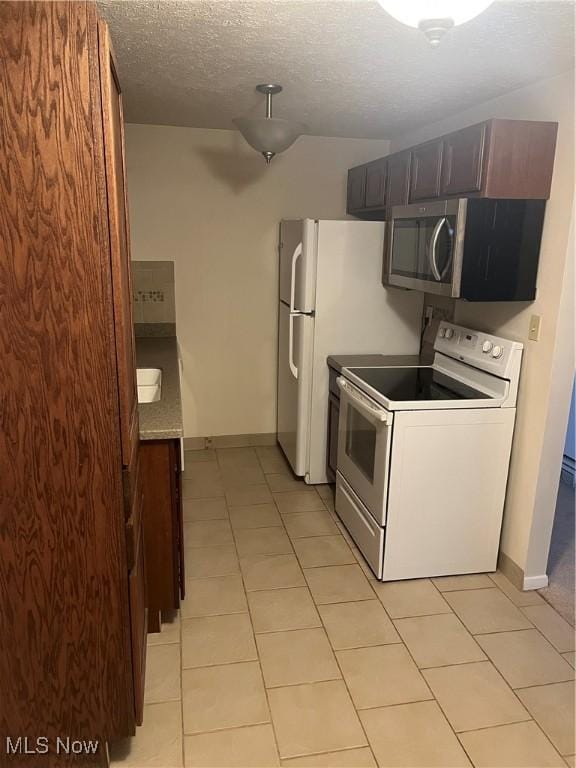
pixel 367 534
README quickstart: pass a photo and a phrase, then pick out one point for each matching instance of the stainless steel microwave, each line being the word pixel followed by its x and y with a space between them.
pixel 478 249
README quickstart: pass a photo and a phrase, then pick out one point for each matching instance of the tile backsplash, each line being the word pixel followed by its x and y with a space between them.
pixel 153 292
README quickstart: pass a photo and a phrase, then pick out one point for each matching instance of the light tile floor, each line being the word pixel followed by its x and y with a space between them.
pixel 288 652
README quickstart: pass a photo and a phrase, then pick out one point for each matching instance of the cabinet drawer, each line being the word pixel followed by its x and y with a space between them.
pixel 426 165
pixel 369 536
pixel 462 160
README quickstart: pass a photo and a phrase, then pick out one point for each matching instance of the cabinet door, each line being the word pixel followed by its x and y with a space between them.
pixel 376 184
pixel 163 527
pixel 425 171
pixel 138 625
pixel 356 189
pixel 113 127
pixel 397 181
pixel 137 581
pixel 462 160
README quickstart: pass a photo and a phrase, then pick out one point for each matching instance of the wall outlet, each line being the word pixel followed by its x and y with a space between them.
pixel 428 313
pixel 534 330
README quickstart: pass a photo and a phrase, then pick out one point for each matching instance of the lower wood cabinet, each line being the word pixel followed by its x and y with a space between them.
pixel 163 527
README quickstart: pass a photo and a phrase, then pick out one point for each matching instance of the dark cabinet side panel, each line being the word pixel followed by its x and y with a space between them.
pixel 502 245
pixel 520 159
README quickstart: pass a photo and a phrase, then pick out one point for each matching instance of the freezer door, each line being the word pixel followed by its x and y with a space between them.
pixel 298 239
pixel 295 347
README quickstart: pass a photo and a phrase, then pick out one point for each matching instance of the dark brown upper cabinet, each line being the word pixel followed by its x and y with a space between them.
pixel 498 159
pixel 375 196
pixel 425 170
pixel 356 197
pixel 462 157
pixel 398 180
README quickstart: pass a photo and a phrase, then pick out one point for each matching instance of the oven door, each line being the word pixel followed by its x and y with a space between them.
pixel 425 247
pixel 364 438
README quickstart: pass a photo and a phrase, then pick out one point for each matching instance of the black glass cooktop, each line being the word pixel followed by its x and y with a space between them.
pixel 402 384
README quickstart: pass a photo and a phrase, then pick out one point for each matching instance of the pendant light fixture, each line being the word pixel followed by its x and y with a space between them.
pixel 434 17
pixel 269 135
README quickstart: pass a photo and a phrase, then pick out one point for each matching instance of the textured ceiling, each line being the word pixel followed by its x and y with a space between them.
pixel 347 67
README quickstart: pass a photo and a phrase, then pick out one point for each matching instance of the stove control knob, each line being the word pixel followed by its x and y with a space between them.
pixel 442 333
pixel 487 346
pixel 449 333
pixel 497 351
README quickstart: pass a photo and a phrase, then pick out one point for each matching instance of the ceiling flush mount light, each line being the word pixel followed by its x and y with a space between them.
pixel 434 17
pixel 269 135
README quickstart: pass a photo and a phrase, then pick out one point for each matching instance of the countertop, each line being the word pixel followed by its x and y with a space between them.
pixel 161 420
pixel 337 362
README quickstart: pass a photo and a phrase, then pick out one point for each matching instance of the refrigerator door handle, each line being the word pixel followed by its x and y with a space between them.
pixel 295 256
pixel 293 368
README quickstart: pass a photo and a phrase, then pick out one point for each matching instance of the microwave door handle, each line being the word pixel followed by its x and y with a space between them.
pixel 432 252
pixel 451 252
pixel 376 413
pixel 295 256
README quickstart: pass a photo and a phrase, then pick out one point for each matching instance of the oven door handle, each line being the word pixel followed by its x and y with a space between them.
pixel 362 403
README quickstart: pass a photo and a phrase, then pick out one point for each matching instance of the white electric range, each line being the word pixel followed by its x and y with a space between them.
pixel 423 456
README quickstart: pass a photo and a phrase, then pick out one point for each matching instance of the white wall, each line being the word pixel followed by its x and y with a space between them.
pixel 548 364
pixel 205 200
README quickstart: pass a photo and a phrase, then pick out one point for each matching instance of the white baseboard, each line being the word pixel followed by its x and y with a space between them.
pixel 535 582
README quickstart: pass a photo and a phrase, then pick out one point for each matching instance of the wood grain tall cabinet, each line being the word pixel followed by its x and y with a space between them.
pixel 72 576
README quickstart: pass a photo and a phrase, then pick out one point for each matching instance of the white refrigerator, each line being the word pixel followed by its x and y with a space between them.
pixel 332 302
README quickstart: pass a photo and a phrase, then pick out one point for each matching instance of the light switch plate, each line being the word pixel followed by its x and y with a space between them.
pixel 534 330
